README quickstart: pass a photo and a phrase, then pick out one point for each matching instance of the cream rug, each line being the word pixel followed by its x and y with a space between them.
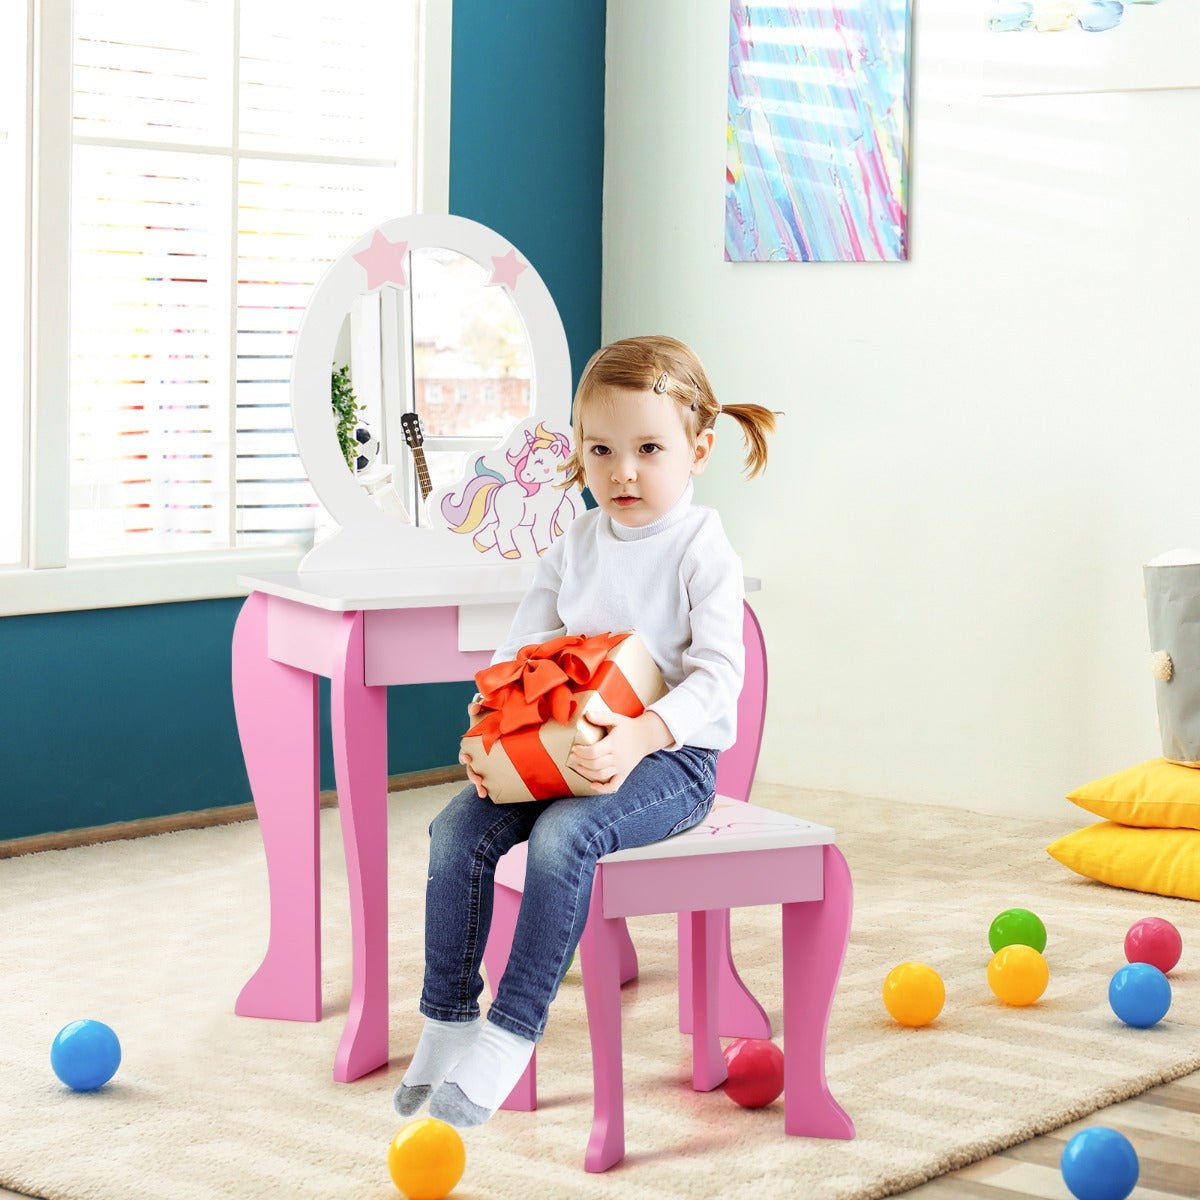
pixel 156 936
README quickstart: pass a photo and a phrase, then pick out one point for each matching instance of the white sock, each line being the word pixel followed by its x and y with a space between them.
pixel 483 1077
pixel 440 1046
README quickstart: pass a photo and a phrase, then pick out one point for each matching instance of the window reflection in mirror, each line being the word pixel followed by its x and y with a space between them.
pixel 450 347
pixel 471 361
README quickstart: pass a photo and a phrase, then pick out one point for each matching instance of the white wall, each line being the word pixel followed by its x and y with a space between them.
pixel 981 446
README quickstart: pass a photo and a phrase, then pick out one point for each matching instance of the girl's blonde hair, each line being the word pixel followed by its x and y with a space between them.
pixel 667 366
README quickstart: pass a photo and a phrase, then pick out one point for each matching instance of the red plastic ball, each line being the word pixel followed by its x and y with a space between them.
pixel 1155 941
pixel 755 1072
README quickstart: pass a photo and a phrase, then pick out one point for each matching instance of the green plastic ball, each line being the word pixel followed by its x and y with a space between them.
pixel 1017 927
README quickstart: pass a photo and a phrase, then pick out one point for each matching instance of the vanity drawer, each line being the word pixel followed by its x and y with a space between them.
pixel 432 645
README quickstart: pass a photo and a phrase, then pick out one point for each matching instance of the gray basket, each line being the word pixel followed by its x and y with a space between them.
pixel 1173 609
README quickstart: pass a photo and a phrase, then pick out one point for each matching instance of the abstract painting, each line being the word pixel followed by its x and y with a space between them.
pixel 817 132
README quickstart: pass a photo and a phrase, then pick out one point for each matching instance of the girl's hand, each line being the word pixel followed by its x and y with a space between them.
pixel 474 708
pixel 629 739
pixel 477 780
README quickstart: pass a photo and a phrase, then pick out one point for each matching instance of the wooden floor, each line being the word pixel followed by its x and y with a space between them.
pixel 1163 1125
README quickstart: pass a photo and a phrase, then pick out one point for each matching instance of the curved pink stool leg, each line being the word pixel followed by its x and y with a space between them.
pixel 276 708
pixel 359 720
pixel 506 904
pixel 600 962
pixel 815 935
pixel 739 1014
pixel 708 1062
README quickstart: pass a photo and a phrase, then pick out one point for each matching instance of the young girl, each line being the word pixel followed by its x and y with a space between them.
pixel 647 559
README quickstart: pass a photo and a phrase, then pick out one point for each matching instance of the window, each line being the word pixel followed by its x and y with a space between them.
pixel 13 212
pixel 215 157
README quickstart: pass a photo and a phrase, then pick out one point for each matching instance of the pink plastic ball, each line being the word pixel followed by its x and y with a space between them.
pixel 755 1072
pixel 1155 941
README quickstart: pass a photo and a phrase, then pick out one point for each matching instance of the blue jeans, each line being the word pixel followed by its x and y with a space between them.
pixel 667 792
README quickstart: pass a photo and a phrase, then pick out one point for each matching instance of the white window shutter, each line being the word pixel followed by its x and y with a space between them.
pixel 199 230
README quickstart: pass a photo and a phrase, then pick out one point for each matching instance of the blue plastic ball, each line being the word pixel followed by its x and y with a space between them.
pixel 85 1055
pixel 1099 1164
pixel 1139 994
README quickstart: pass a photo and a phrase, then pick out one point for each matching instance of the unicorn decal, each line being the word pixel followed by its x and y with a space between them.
pixel 514 496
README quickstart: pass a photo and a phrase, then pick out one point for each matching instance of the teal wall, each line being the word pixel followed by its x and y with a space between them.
pixel 115 714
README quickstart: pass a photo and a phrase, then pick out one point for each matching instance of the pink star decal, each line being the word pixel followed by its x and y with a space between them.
pixel 506 268
pixel 383 261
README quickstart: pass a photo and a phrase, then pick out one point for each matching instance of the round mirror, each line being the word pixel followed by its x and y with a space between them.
pixel 424 346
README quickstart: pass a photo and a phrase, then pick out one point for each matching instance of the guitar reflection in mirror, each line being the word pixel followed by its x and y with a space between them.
pixel 414 437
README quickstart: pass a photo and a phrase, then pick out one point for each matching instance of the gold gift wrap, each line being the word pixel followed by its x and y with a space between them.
pixel 538 706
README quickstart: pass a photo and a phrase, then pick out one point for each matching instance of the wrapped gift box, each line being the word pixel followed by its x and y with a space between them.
pixel 537 708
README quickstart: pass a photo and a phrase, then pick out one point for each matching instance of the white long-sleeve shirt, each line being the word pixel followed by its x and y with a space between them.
pixel 677 582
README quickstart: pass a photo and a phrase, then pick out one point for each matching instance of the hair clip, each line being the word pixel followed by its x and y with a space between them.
pixel 660 384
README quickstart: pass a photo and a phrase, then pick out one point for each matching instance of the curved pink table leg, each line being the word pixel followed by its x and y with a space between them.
pixel 276 707
pixel 815 935
pixel 506 904
pixel 359 720
pixel 600 962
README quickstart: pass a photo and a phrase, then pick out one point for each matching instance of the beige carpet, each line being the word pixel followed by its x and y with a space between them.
pixel 156 936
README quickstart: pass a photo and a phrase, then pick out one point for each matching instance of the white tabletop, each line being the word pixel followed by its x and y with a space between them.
pixel 409 587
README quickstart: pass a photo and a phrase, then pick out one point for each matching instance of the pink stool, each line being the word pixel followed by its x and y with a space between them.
pixel 741 854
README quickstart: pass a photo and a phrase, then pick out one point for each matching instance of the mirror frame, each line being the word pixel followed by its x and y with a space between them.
pixel 368 537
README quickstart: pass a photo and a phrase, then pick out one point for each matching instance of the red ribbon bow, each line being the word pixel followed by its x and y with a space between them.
pixel 540 684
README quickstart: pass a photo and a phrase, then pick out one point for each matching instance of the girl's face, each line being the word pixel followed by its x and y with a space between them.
pixel 637 456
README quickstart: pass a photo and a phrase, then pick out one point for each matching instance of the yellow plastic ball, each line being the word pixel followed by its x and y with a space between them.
pixel 914 994
pixel 1018 975
pixel 426 1159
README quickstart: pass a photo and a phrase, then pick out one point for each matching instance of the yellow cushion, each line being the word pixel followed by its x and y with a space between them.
pixel 1163 861
pixel 1153 795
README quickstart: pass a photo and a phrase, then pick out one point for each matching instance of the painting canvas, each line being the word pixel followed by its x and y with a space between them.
pixel 817 131
pixel 1050 47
